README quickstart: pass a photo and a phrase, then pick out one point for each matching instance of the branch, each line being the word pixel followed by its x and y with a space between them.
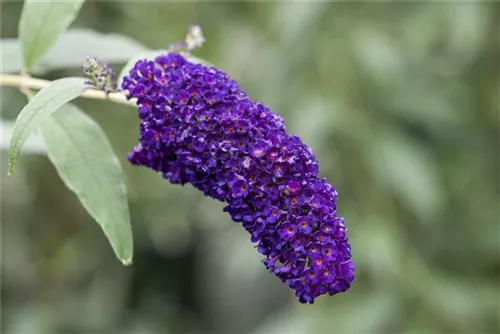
pixel 20 81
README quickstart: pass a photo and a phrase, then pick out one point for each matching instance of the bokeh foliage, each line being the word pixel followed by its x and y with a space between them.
pixel 400 103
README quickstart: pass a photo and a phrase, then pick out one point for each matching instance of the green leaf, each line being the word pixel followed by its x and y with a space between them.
pixel 75 45
pixel 151 55
pixel 34 144
pixel 41 24
pixel 85 161
pixel 71 50
pixel 42 105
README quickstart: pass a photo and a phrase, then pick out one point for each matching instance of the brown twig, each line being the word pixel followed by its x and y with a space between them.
pixel 24 82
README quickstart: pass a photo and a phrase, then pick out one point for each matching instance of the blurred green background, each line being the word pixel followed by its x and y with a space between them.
pixel 400 103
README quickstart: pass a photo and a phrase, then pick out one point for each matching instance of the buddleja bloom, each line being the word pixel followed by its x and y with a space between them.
pixel 99 75
pixel 199 127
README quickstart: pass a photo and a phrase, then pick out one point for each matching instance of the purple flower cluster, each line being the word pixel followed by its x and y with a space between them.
pixel 199 127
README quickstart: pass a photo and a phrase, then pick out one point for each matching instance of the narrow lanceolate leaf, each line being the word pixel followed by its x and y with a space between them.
pixel 41 24
pixel 34 144
pixel 42 105
pixel 85 161
pixel 71 50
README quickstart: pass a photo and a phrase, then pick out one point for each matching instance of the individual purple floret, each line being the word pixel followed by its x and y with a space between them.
pixel 99 75
pixel 199 127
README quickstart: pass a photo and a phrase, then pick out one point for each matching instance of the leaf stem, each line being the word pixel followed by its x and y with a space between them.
pixel 26 82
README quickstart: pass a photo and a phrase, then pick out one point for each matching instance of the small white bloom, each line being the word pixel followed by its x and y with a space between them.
pixel 194 38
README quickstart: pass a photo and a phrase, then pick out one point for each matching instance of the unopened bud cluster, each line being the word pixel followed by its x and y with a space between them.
pixel 99 75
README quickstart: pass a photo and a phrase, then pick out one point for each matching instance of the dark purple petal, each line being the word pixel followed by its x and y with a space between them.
pixel 287 231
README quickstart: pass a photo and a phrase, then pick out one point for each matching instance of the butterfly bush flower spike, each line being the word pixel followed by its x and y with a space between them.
pixel 99 75
pixel 199 127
